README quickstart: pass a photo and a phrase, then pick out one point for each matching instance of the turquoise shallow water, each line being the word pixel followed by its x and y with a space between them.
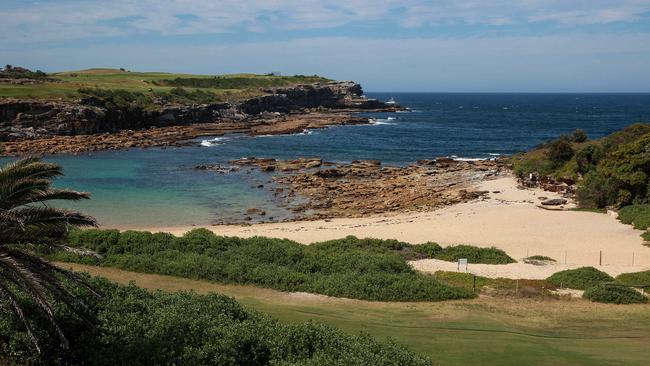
pixel 159 187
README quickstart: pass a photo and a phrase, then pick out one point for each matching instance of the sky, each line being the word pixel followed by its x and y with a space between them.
pixel 386 45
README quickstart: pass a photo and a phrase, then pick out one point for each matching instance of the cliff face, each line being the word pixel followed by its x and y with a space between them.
pixel 30 119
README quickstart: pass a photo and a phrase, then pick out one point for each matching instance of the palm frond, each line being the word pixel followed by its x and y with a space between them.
pixel 25 186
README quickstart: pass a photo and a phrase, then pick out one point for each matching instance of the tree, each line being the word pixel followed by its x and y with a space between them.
pixel 25 220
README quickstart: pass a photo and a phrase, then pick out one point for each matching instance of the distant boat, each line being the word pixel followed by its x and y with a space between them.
pixel 391 101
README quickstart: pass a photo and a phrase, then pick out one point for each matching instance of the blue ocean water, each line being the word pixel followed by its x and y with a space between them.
pixel 159 187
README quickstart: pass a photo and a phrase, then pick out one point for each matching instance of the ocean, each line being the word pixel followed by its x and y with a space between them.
pixel 160 187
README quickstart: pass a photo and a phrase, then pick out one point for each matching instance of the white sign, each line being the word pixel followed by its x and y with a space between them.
pixel 462 262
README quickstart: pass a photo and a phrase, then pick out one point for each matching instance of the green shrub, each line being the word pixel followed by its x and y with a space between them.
pixel 579 136
pixel 637 215
pixel 138 327
pixel 559 151
pixel 612 171
pixel 614 294
pixel 634 278
pixel 369 269
pixel 580 278
pixel 538 259
pixel 474 254
pixel 240 82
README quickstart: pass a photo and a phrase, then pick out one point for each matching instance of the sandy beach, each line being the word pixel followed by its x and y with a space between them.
pixel 509 218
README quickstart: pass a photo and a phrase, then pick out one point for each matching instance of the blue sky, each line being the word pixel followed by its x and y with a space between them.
pixel 387 45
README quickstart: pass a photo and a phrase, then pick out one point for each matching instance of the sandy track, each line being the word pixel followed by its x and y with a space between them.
pixel 509 219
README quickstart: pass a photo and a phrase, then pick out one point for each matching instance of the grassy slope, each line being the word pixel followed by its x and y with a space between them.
pixel 71 81
pixel 484 331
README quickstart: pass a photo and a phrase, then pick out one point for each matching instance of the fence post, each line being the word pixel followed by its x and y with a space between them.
pixel 474 285
pixel 632 259
pixel 565 257
pixel 600 261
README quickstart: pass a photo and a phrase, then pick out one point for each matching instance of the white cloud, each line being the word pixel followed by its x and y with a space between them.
pixel 543 63
pixel 69 20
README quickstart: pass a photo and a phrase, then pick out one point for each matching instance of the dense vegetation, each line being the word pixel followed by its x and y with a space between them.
pixel 130 100
pixel 614 294
pixel 137 327
pixel 11 72
pixel 612 171
pixel 580 278
pixel 355 268
pixel 233 82
pixel 28 216
pixel 635 278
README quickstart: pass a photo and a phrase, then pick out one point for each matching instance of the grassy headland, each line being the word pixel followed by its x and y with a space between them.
pixel 66 85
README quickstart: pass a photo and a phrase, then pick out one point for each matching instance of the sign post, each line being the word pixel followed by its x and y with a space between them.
pixel 462 262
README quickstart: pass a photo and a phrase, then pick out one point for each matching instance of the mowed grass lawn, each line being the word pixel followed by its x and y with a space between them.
pixel 485 331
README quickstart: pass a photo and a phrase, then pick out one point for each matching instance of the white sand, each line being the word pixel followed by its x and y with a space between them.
pixel 509 220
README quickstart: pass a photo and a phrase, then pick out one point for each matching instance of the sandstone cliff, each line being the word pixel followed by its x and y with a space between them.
pixel 27 119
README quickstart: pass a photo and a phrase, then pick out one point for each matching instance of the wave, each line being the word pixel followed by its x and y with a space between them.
pixel 213 142
pixel 461 158
pixel 301 133
pixel 379 121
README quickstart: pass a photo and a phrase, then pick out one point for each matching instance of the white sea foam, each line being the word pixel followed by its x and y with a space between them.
pixel 213 142
pixel 381 122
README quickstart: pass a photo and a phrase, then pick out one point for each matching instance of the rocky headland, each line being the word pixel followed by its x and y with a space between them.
pixel 91 124
pixel 316 189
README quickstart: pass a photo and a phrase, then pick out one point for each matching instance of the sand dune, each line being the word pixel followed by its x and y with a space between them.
pixel 509 219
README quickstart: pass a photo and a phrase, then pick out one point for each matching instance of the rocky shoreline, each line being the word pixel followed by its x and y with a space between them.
pixel 175 136
pixel 315 189
pixel 91 124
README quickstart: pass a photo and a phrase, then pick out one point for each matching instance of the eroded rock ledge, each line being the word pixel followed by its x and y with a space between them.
pixel 36 127
pixel 316 189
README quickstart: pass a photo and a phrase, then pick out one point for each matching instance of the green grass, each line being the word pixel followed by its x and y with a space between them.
pixel 498 286
pixel 580 278
pixel 67 84
pixel 485 331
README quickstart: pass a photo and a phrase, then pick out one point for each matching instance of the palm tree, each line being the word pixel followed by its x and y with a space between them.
pixel 27 219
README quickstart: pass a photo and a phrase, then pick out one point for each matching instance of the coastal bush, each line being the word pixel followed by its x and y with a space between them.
pixel 369 269
pixel 559 151
pixel 613 171
pixel 474 254
pixel 233 82
pixel 634 278
pixel 637 215
pixel 614 294
pixel 580 278
pixel 135 100
pixel 138 327
pixel 541 258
